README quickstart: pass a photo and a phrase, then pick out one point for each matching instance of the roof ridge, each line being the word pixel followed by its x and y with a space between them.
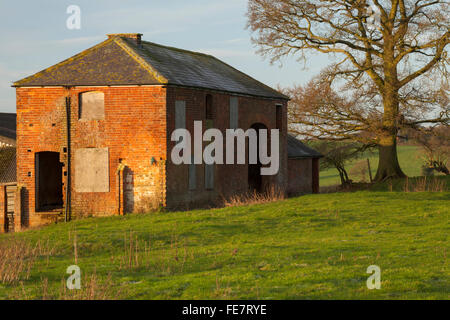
pixel 137 57
pixel 59 64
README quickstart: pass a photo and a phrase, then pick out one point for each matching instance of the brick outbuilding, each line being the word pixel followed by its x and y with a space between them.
pixel 94 131
pixel 303 167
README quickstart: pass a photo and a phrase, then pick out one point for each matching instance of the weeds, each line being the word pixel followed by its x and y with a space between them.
pixel 143 254
pixel 273 193
pixel 92 288
pixel 425 184
pixel 18 256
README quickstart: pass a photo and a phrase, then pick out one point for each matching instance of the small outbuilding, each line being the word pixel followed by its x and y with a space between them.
pixel 303 167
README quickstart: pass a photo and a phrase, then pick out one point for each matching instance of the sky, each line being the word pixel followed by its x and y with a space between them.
pixel 34 35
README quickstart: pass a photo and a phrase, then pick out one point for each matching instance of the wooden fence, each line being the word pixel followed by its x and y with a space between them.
pixel 10 207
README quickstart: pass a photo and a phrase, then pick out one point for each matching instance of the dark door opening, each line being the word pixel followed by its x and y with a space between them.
pixel 48 170
pixel 255 183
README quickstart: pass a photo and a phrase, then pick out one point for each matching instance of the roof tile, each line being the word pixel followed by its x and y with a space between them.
pixel 121 61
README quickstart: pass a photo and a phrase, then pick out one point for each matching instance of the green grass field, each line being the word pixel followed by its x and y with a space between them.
pixel 310 247
pixel 408 156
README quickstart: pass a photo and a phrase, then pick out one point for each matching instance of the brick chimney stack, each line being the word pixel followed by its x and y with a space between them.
pixel 134 36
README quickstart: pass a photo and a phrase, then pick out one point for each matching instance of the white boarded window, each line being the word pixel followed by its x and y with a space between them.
pixel 91 170
pixel 92 105
pixel 234 113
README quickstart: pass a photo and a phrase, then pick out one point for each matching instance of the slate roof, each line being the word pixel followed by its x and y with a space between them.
pixel 104 64
pixel 7 164
pixel 297 149
pixel 8 125
pixel 121 61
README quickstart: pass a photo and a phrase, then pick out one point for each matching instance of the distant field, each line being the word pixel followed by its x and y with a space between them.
pixel 311 247
pixel 409 158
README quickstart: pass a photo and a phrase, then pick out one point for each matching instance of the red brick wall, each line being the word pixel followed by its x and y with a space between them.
pixel 134 130
pixel 229 179
pixel 137 127
pixel 300 176
pixel 315 175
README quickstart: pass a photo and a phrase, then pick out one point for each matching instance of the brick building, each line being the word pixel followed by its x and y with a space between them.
pixel 303 168
pixel 94 131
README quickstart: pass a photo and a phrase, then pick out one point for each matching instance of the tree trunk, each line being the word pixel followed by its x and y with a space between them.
pixel 347 180
pixel 388 166
pixel 341 175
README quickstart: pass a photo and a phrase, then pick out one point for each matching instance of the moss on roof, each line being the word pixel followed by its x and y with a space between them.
pixel 121 61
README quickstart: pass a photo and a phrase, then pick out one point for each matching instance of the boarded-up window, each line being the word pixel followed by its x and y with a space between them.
pixel 91 170
pixel 180 114
pixel 279 117
pixel 192 175
pixel 209 176
pixel 92 105
pixel 234 113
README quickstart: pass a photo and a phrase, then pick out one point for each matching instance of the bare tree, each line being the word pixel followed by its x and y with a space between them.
pixel 388 53
pixel 435 143
pixel 338 155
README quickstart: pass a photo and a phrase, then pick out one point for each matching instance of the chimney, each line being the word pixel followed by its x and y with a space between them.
pixel 135 36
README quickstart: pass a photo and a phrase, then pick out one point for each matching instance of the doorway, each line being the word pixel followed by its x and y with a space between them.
pixel 48 174
pixel 255 181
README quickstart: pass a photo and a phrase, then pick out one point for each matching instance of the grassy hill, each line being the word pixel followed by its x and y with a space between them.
pixel 409 158
pixel 310 247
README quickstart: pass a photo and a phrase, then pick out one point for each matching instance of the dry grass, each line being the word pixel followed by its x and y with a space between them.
pixel 419 184
pixel 273 193
pixel 425 184
pixel 92 288
pixel 18 256
pixel 142 254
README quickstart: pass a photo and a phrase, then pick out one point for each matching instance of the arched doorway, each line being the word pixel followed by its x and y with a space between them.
pixel 255 181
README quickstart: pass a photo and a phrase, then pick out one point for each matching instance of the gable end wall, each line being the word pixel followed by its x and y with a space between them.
pixel 134 131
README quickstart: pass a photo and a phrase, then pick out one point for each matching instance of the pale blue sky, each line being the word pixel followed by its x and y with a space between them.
pixel 34 36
